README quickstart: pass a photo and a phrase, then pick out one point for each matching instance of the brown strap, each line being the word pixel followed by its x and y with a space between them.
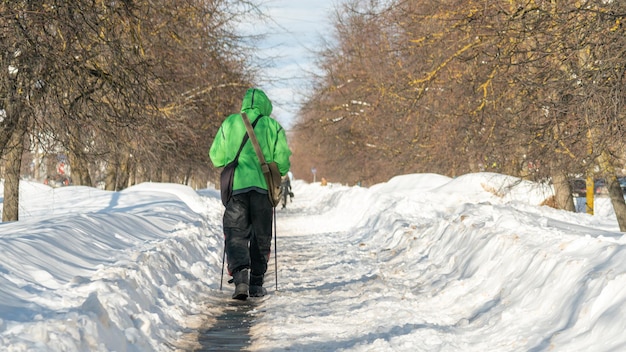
pixel 245 139
pixel 255 143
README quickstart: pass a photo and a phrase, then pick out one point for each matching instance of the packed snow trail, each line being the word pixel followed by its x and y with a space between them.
pixel 316 272
pixel 323 270
pixel 231 329
pixel 223 326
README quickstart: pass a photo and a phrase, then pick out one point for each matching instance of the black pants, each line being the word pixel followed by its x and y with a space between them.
pixel 248 232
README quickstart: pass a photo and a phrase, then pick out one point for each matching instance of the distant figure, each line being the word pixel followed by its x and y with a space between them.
pixel 285 188
pixel 324 181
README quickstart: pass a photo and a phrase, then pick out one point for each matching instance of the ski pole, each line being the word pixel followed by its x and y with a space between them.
pixel 223 260
pixel 275 252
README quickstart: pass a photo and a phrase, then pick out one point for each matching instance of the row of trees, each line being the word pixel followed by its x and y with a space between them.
pixel 128 90
pixel 532 88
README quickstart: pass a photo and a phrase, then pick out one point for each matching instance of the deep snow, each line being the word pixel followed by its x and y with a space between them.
pixel 420 263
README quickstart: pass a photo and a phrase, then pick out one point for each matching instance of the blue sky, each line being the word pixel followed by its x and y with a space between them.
pixel 294 31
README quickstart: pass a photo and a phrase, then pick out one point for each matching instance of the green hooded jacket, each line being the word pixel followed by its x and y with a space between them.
pixel 271 137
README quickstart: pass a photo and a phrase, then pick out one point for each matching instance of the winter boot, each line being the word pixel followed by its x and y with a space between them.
pixel 241 280
pixel 256 286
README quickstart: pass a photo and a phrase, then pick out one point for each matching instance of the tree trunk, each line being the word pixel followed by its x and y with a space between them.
pixel 111 176
pixel 187 178
pixel 132 177
pixel 617 200
pixel 77 160
pixel 562 192
pixel 123 172
pixel 80 170
pixel 13 163
pixel 13 107
pixel 615 191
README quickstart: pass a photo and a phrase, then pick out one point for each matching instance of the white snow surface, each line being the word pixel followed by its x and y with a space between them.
pixel 420 263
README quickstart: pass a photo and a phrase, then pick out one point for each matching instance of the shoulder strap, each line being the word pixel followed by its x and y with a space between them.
pixel 253 139
pixel 246 136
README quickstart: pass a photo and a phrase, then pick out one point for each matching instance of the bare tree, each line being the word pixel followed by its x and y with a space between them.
pixel 132 85
pixel 532 89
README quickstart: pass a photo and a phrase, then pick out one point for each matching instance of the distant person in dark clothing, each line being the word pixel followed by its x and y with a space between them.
pixel 285 188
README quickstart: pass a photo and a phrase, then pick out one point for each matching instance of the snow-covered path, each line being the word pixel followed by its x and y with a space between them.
pixel 332 285
pixel 318 272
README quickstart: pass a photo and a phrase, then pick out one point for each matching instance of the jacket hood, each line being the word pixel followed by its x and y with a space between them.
pixel 256 100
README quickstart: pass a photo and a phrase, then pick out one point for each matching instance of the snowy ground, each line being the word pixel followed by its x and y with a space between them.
pixel 420 263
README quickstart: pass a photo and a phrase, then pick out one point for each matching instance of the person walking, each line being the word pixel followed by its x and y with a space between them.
pixel 285 189
pixel 247 218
